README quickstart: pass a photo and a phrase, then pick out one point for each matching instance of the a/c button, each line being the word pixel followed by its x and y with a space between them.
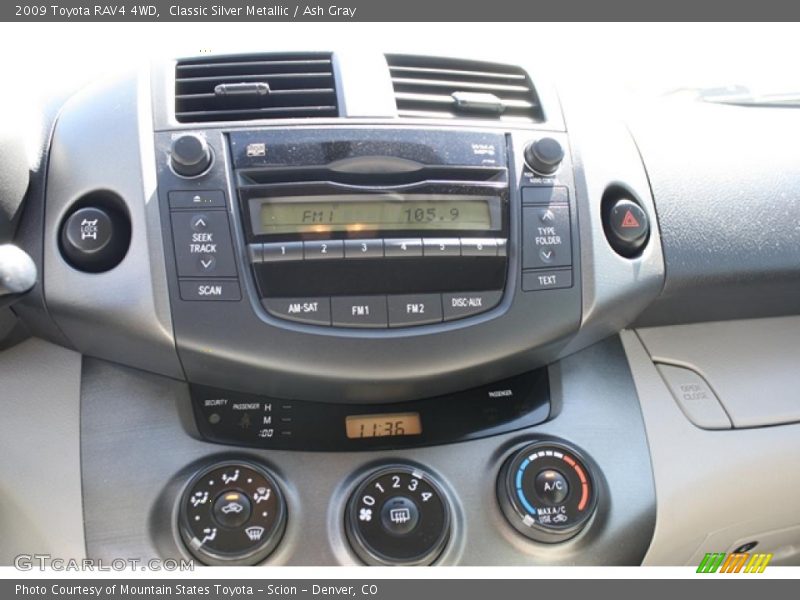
pixel 316 311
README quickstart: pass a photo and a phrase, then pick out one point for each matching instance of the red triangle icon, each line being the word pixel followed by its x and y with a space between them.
pixel 629 221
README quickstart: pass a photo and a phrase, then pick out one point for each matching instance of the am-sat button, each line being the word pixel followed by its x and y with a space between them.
pixel 315 311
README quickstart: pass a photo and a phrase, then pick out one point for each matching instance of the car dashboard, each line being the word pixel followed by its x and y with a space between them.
pixel 322 308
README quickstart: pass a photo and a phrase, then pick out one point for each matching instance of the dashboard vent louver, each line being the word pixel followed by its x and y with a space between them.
pixel 445 88
pixel 255 86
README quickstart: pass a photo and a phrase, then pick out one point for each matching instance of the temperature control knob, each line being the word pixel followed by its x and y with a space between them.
pixel 544 155
pixel 546 492
pixel 398 516
pixel 232 513
pixel 190 155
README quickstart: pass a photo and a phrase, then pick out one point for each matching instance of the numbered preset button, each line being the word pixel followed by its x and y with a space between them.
pixel 323 249
pixel 363 249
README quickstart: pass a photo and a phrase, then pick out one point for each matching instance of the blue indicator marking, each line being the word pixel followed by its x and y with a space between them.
pixel 520 471
pixel 520 494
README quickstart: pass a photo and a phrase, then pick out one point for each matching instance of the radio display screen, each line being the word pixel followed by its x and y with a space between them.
pixel 375 212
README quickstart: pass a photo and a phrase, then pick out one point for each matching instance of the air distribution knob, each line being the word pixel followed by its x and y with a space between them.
pixel 190 155
pixel 544 155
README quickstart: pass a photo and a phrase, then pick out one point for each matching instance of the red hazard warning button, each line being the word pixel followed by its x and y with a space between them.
pixel 627 227
pixel 629 220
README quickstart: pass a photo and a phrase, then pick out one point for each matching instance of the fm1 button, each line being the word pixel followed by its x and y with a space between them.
pixel 551 486
pixel 359 311
pixel 399 515
pixel 232 509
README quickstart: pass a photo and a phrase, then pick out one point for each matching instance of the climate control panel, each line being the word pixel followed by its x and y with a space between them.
pixel 234 512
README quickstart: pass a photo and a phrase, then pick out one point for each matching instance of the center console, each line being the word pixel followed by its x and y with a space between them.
pixel 360 337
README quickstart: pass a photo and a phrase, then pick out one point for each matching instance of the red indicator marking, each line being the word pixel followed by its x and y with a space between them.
pixel 580 472
pixel 584 496
pixel 629 221
pixel 569 461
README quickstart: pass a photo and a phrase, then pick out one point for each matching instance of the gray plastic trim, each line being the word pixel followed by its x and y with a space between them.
pixel 713 488
pixel 103 141
pixel 752 365
pixel 41 509
pixel 137 455
pixel 615 289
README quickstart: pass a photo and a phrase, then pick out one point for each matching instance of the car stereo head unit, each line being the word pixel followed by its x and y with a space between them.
pixel 374 228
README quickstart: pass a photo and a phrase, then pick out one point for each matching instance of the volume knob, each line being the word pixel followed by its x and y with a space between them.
pixel 544 155
pixel 190 155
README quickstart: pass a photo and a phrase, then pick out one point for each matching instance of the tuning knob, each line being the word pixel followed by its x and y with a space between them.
pixel 190 155
pixel 544 155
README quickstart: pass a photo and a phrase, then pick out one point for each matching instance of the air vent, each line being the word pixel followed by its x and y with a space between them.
pixel 443 88
pixel 267 86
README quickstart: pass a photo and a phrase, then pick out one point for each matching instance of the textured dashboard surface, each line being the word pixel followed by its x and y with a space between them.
pixel 40 476
pixel 726 184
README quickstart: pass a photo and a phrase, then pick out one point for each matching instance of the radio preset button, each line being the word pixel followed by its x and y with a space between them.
pixel 478 247
pixel 416 309
pixel 281 251
pixel 441 246
pixel 323 249
pixel 363 248
pixel 359 311
pixel 465 304
pixel 403 247
pixel 315 311
pixel 255 253
pixel 502 246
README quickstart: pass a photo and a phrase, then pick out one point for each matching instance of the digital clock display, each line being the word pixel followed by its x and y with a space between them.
pixel 375 212
pixel 386 425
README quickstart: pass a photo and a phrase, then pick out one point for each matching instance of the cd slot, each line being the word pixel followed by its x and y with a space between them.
pixel 381 178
